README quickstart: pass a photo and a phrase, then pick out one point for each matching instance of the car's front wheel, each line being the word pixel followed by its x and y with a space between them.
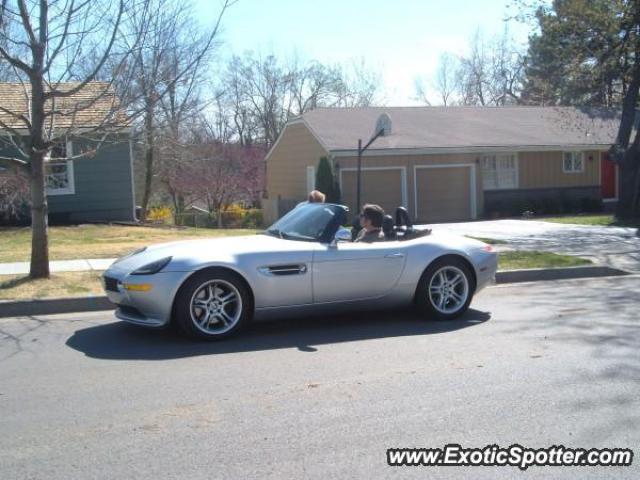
pixel 445 289
pixel 213 304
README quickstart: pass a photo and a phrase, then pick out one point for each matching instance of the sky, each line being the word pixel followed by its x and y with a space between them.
pixel 400 39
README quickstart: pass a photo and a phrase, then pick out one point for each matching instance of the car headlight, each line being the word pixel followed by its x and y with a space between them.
pixel 130 254
pixel 153 267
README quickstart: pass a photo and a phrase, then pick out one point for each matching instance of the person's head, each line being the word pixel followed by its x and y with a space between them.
pixel 371 216
pixel 316 196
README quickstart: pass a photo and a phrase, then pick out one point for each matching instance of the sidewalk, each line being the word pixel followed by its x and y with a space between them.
pixel 20 268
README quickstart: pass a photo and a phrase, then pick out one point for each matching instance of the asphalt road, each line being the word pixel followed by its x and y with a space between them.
pixel 84 396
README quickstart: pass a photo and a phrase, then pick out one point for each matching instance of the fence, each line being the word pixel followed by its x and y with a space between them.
pixel 285 205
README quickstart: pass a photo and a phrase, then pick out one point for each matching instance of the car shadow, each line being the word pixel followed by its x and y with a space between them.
pixel 121 341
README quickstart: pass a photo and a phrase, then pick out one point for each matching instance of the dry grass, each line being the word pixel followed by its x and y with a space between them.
pixel 98 241
pixel 67 284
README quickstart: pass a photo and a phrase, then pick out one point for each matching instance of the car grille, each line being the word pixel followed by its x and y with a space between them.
pixel 110 284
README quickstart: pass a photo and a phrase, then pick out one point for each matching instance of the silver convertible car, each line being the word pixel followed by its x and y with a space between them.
pixel 304 263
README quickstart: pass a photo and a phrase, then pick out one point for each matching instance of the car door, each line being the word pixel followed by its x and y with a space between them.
pixel 356 271
pixel 283 276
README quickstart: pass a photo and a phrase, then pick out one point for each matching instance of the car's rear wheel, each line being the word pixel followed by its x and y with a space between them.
pixel 213 304
pixel 445 289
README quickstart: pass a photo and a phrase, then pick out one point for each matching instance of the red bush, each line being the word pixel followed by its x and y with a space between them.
pixel 14 197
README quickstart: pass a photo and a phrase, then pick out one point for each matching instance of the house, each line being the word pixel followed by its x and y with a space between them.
pixel 449 163
pixel 92 181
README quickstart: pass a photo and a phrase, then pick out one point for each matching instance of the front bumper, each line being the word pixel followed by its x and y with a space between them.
pixel 146 308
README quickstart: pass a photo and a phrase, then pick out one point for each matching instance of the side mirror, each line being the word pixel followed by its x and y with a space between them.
pixel 342 235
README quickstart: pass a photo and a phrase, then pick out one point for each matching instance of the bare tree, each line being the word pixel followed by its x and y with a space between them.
pixel 421 90
pixel 507 71
pixel 167 69
pixel 44 43
pixel 444 83
pixel 234 103
pixel 474 75
pixel 360 85
pixel 492 73
pixel 261 92
pixel 313 84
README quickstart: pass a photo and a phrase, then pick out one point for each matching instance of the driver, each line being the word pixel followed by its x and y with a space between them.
pixel 371 223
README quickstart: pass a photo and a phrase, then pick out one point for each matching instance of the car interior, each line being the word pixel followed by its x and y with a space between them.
pixel 402 228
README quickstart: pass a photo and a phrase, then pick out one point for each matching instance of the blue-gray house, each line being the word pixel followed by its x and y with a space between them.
pixel 90 173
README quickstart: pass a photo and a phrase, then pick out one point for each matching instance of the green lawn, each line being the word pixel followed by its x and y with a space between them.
pixel 490 241
pixel 597 220
pixel 99 241
pixel 516 260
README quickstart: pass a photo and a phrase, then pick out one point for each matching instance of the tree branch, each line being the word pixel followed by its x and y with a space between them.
pixel 54 92
pixel 26 23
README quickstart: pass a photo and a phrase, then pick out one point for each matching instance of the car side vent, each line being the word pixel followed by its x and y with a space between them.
pixel 281 270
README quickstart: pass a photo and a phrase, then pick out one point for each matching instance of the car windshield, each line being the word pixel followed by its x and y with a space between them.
pixel 307 222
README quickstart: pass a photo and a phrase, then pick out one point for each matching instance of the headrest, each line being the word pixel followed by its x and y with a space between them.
pixel 402 217
pixel 387 223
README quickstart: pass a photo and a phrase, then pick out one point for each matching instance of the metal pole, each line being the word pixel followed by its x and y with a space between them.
pixel 359 175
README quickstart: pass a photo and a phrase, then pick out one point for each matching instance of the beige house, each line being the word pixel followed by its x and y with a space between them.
pixel 448 163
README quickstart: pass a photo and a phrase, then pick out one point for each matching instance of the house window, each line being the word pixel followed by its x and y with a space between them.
pixel 499 171
pixel 573 162
pixel 59 172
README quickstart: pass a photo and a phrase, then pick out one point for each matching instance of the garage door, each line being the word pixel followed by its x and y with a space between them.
pixel 384 187
pixel 443 194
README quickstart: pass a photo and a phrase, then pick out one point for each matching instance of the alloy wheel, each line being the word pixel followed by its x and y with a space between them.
pixel 448 289
pixel 216 307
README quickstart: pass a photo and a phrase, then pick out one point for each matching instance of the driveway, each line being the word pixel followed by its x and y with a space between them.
pixel 552 363
pixel 617 247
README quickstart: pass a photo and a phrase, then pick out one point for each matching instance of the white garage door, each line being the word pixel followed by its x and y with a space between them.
pixel 444 193
pixel 385 187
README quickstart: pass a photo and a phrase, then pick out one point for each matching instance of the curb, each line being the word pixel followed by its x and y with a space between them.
pixel 53 306
pixel 545 274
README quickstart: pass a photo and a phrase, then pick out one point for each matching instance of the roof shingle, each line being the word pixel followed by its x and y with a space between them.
pixel 464 127
pixel 93 106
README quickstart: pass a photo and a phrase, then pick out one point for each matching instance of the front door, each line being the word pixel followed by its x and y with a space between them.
pixel 608 177
pixel 356 271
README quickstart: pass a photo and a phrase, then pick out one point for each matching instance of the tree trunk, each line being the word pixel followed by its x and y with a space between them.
pixel 220 225
pixel 148 162
pixel 628 185
pixel 39 219
pixel 625 155
pixel 38 149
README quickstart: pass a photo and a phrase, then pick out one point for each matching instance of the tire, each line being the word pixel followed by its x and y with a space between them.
pixel 436 295
pixel 213 304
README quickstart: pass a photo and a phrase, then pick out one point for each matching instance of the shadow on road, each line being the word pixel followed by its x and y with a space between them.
pixel 120 341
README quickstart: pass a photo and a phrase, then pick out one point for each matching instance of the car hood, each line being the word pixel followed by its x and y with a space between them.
pixel 189 252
